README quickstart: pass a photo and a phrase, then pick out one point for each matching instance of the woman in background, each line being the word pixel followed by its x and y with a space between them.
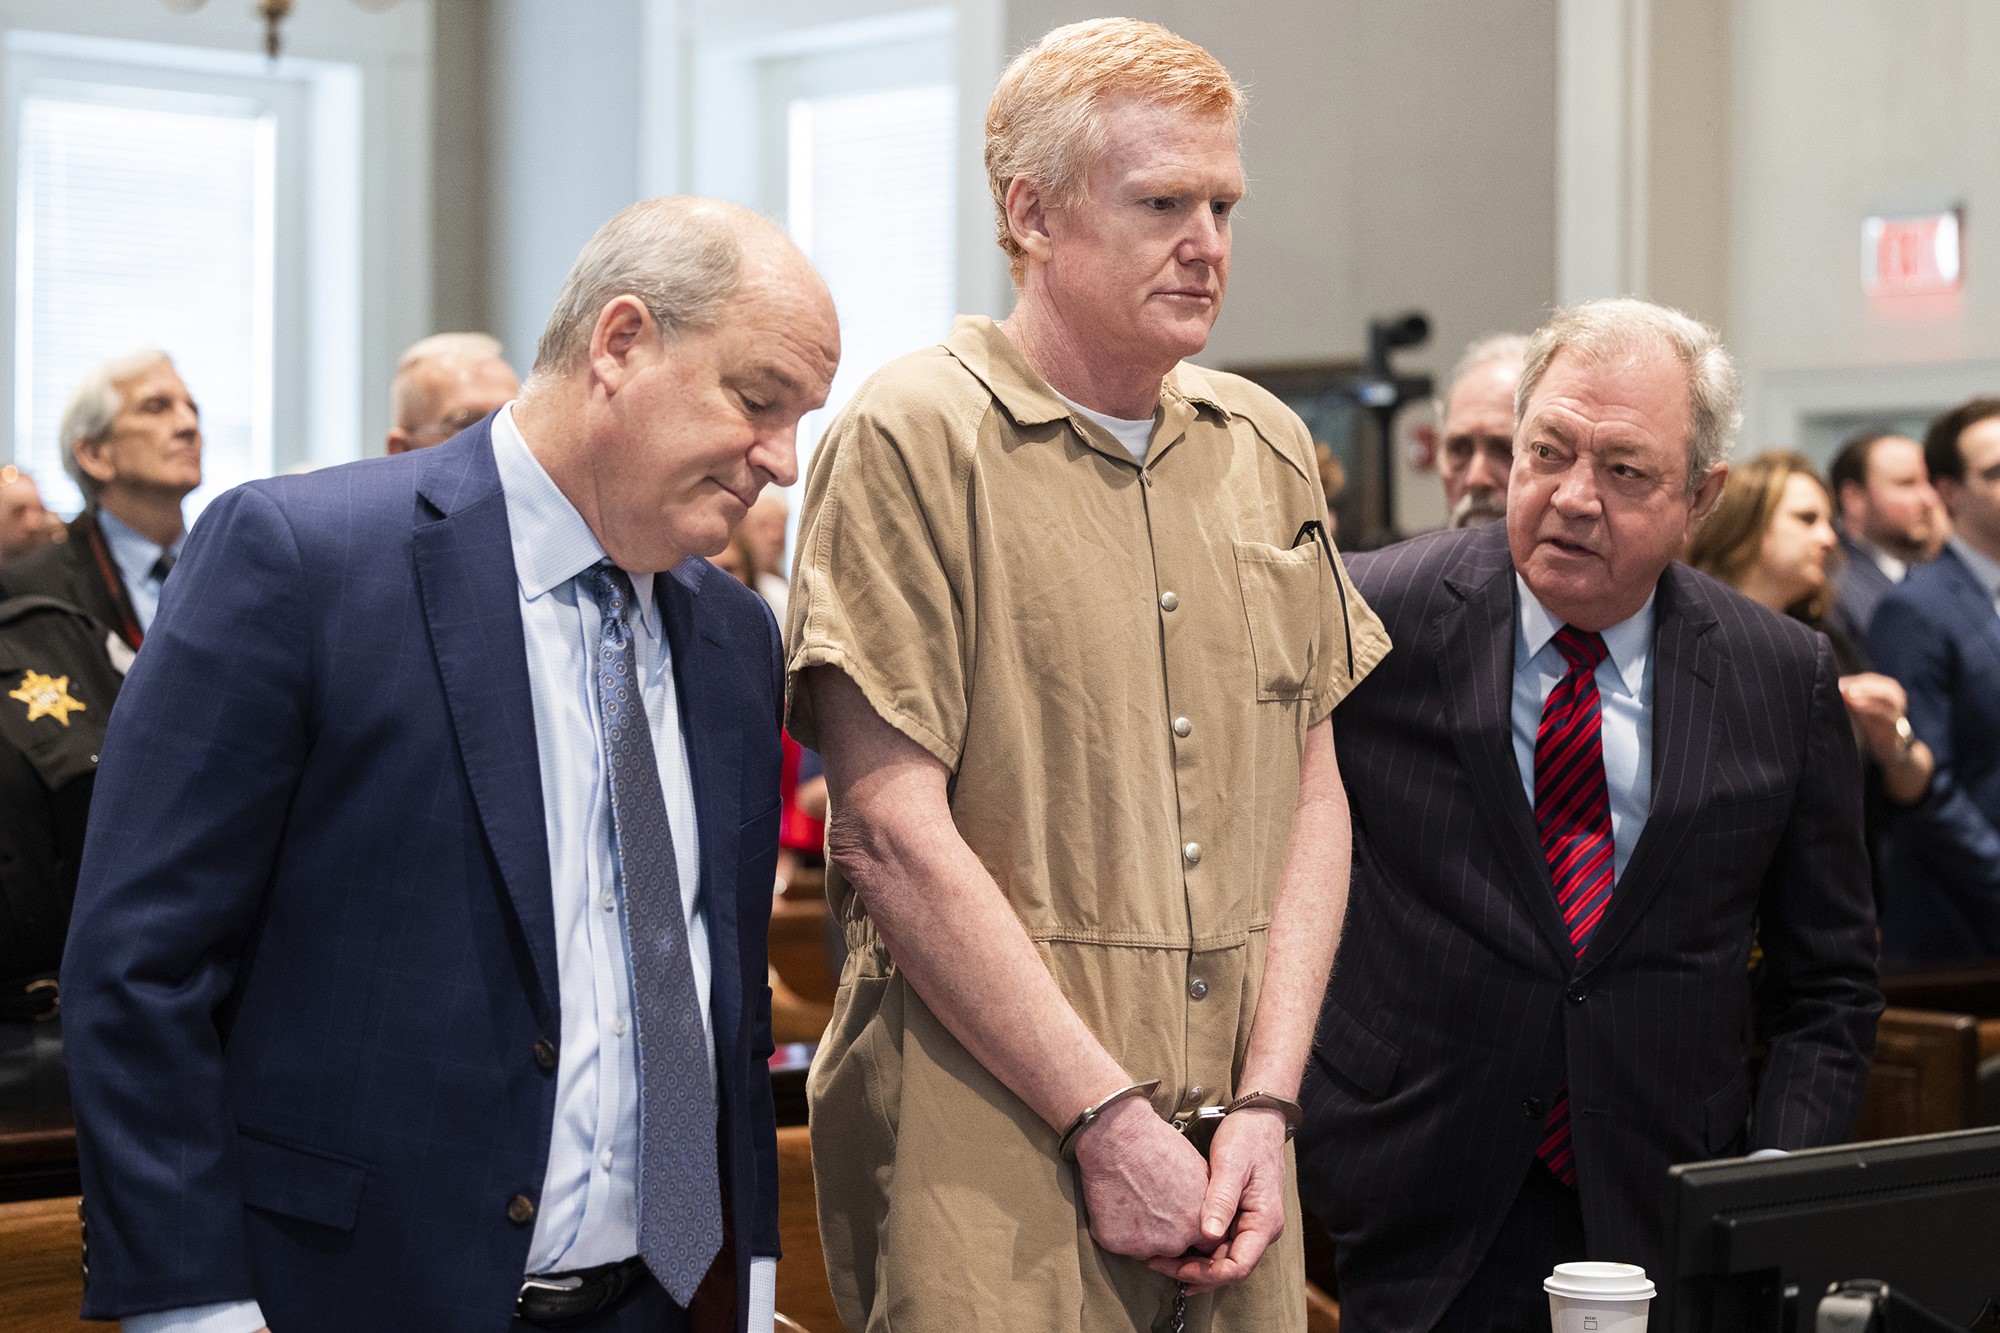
pixel 1771 538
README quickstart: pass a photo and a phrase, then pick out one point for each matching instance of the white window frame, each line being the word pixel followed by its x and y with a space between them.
pixel 314 338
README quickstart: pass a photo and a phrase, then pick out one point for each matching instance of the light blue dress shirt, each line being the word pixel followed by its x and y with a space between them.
pixel 135 557
pixel 589 1213
pixel 1625 689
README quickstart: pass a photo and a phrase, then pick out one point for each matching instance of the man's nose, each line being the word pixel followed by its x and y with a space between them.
pixel 1576 493
pixel 1205 241
pixel 1485 473
pixel 776 453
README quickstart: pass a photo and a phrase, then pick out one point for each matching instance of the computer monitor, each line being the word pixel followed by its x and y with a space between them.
pixel 1752 1245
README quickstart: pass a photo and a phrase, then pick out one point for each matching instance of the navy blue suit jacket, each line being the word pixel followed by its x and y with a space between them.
pixel 1457 1006
pixel 313 949
pixel 1859 586
pixel 1938 634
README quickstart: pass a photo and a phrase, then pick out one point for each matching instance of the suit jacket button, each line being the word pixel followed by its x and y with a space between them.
pixel 1578 992
pixel 1532 1107
pixel 545 1054
pixel 520 1210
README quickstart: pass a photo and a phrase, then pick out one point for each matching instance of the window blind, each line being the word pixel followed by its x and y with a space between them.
pixel 145 223
pixel 871 201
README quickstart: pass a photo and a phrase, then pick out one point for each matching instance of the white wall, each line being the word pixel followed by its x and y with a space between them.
pixel 564 152
pixel 1846 108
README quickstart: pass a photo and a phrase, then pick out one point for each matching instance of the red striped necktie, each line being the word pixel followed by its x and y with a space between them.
pixel 1573 815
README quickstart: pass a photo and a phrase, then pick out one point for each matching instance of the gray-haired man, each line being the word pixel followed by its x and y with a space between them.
pixel 1476 429
pixel 445 383
pixel 131 440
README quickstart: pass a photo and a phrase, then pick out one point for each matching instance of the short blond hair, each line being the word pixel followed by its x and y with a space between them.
pixel 1043 122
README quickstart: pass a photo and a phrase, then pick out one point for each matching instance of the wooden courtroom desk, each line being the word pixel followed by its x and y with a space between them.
pixel 41 1267
pixel 37 1155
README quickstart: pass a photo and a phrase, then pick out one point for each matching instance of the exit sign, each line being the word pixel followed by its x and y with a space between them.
pixel 1912 256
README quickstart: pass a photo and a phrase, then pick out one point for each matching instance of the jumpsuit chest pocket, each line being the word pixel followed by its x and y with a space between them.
pixel 1281 591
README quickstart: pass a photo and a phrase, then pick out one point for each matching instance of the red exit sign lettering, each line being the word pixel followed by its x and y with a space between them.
pixel 1912 256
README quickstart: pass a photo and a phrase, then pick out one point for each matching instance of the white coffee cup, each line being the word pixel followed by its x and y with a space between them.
pixel 1598 1298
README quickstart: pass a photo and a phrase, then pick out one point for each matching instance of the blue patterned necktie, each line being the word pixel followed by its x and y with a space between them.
pixel 680 1203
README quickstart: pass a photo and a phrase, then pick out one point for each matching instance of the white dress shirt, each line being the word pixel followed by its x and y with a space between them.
pixel 1625 689
pixel 589 1213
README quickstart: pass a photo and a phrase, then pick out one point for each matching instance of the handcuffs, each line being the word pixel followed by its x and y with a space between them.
pixel 1197 1123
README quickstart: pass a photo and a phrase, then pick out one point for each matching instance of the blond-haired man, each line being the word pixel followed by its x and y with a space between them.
pixel 1064 633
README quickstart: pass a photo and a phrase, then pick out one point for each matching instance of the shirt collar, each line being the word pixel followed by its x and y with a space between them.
pixel 1627 642
pixel 552 543
pixel 1984 567
pixel 988 353
pixel 1895 569
pixel 135 555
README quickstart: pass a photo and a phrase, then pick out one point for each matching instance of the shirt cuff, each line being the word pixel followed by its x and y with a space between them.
pixel 225 1317
pixel 1769 1152
pixel 763 1302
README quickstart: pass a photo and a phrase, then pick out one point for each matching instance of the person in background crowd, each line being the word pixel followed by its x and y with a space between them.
pixel 1087 836
pixel 1771 539
pixel 764 526
pixel 57 686
pixel 420 981
pixel 1476 437
pixel 445 383
pixel 1938 633
pixel 1332 484
pixel 1596 781
pixel 131 440
pixel 25 522
pixel 1888 512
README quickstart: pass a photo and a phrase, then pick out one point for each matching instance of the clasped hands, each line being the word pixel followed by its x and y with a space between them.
pixel 1152 1196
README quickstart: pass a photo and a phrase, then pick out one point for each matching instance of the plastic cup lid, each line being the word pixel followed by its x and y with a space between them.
pixel 1599 1281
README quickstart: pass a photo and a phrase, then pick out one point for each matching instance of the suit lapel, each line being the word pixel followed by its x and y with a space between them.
pixel 1475 661
pixel 465 570
pixel 702 665
pixel 1978 603
pixel 1684 675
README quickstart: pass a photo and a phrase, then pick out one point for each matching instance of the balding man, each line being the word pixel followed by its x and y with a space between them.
pixel 1068 633
pixel 441 1002
pixel 131 440
pixel 25 522
pixel 1476 437
pixel 1599 782
pixel 444 384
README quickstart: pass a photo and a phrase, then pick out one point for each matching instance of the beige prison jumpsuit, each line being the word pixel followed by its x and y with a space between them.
pixel 1118 664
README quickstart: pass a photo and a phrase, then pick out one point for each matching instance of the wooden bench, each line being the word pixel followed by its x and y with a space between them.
pixel 41 1267
pixel 1925 1078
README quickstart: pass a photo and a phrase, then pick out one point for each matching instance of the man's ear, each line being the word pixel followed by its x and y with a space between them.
pixel 1853 503
pixel 1706 494
pixel 399 440
pixel 619 342
pixel 1027 219
pixel 92 460
pixel 1947 490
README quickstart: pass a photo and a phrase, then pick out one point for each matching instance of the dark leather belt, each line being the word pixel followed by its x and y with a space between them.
pixel 558 1298
pixel 34 1000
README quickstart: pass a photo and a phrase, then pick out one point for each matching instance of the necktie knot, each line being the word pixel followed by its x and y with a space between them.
pixel 612 587
pixel 1582 649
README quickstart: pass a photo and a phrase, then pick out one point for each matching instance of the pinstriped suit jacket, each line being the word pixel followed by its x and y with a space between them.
pixel 1457 1008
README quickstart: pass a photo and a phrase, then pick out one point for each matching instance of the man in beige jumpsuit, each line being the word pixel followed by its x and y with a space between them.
pixel 1070 660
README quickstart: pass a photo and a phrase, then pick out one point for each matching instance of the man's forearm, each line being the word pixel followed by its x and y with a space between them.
pixel 1305 924
pixel 948 927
